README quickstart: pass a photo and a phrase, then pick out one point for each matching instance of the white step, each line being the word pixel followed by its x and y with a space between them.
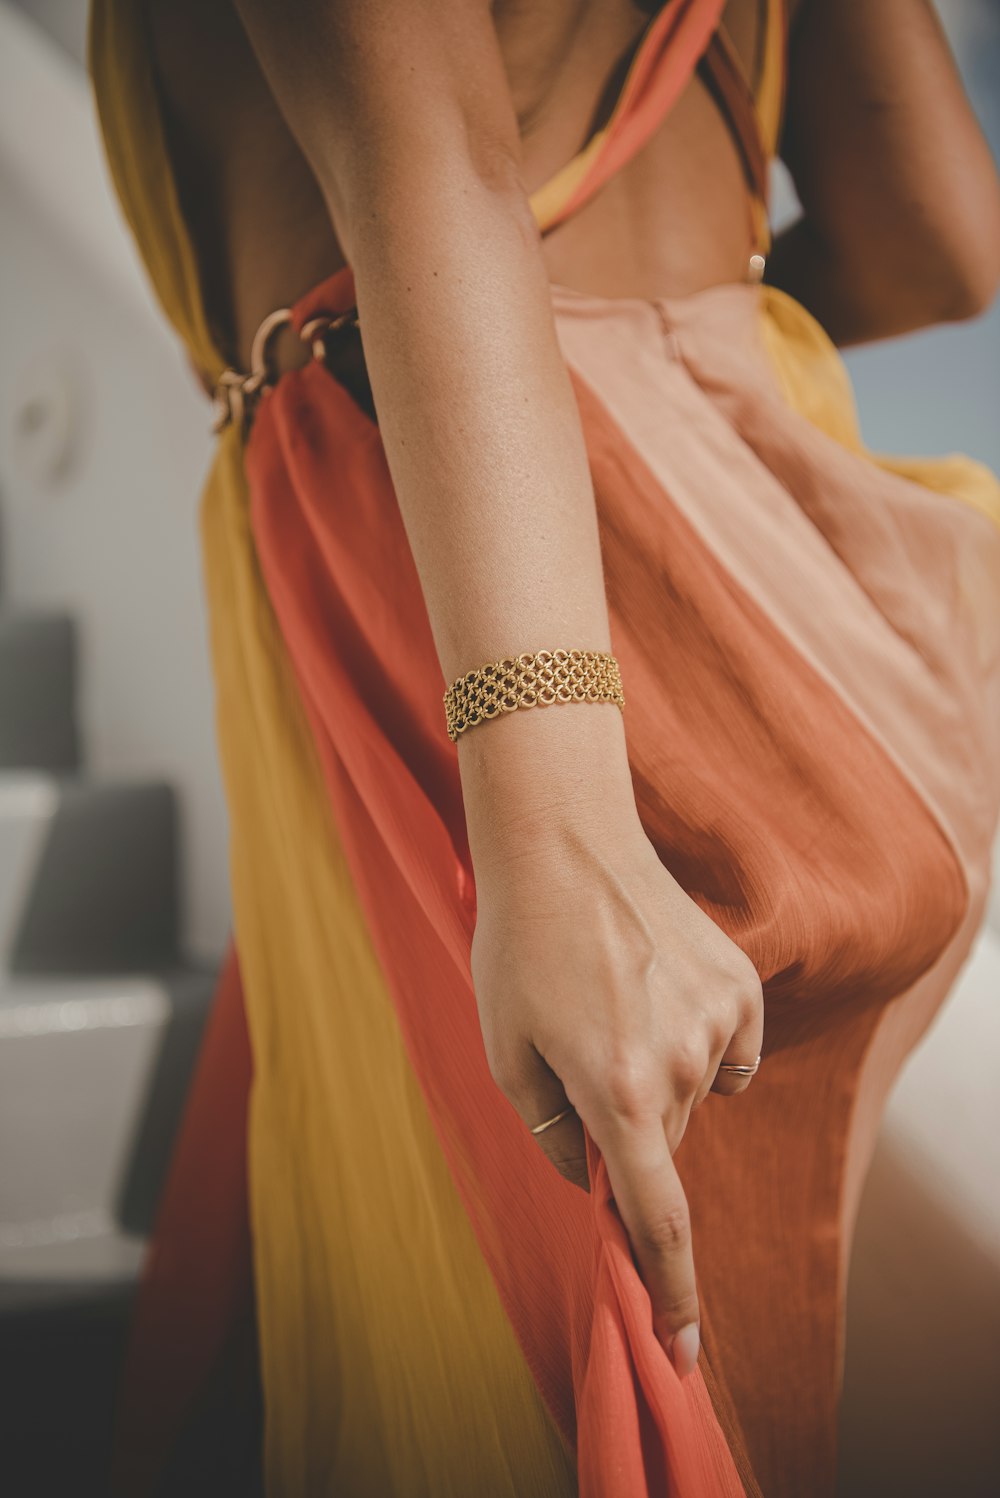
pixel 88 874
pixel 93 1074
pixel 71 1259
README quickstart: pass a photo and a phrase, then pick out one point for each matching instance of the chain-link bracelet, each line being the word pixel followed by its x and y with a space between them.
pixel 531 681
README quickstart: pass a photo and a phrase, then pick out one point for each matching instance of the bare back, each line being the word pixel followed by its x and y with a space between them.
pixel 674 220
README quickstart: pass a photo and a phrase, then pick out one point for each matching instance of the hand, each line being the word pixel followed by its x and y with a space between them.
pixel 600 984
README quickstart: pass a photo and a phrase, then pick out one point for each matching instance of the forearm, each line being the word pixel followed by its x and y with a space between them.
pixel 901 200
pixel 478 418
pixel 822 277
pixel 483 440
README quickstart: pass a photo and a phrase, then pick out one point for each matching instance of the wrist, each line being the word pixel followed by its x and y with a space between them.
pixel 534 777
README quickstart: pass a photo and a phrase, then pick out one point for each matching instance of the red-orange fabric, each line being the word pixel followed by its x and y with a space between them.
pixel 841 928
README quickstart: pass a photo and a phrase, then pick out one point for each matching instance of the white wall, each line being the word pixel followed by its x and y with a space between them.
pixel 113 539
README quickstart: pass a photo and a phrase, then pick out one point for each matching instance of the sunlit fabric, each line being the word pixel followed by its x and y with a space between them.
pixel 810 650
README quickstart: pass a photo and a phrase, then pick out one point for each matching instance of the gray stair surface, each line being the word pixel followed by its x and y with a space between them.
pixel 38 679
pixel 101 1019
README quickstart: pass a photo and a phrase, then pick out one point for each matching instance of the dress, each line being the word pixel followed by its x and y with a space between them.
pixel 809 641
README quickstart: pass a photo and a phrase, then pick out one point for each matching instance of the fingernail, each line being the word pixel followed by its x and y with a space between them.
pixel 684 1349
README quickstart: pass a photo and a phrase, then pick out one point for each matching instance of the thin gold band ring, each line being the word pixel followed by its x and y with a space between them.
pixel 540 1128
pixel 739 1071
pixel 729 1066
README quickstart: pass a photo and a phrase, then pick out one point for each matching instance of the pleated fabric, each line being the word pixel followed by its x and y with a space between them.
pixel 810 650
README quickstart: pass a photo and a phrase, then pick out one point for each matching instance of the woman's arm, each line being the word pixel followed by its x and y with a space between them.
pixel 900 196
pixel 586 951
pixel 403 109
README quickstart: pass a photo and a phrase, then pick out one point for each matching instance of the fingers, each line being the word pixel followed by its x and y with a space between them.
pixel 734 1076
pixel 636 1109
pixel 564 1144
pixel 649 1195
pixel 654 1209
pixel 538 1095
pixel 743 1049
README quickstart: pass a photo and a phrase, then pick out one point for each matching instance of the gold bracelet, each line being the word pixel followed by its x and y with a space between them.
pixel 531 681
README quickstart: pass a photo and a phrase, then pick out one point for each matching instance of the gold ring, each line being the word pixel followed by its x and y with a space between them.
pixel 739 1071
pixel 540 1128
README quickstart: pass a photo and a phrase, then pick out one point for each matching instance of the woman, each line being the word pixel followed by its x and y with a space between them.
pixel 478 291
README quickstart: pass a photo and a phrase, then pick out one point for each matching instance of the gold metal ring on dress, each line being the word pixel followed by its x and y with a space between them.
pixel 261 371
pixel 540 1128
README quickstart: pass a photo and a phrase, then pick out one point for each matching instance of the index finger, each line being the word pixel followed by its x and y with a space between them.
pixel 655 1212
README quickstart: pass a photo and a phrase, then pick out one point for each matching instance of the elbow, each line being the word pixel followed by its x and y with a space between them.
pixel 494 158
pixel 939 283
pixel 970 287
pixel 427 158
pixel 969 260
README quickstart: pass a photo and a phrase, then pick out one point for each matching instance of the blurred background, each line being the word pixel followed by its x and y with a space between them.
pixel 114 904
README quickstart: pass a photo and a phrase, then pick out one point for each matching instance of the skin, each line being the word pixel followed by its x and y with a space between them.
pixel 902 213
pixel 405 136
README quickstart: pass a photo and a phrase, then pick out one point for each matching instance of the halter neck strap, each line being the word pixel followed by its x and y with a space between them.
pixel 684 36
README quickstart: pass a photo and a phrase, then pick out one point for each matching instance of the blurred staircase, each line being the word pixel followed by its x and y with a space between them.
pixel 100 1015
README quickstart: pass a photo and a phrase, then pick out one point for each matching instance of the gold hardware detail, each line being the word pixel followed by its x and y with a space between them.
pixel 236 393
pixel 529 680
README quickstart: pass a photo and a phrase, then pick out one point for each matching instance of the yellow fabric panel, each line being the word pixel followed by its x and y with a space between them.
pixel 810 372
pixel 376 1310
pixel 771 83
pixel 814 380
pixel 378 1313
pixel 954 476
pixel 119 59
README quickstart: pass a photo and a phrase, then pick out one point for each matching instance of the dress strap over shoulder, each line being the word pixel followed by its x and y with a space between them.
pixel 772 76
pixel 721 71
pixel 752 108
pixel 684 37
pixel 664 61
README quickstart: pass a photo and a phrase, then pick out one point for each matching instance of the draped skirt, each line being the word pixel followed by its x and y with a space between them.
pixel 809 642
